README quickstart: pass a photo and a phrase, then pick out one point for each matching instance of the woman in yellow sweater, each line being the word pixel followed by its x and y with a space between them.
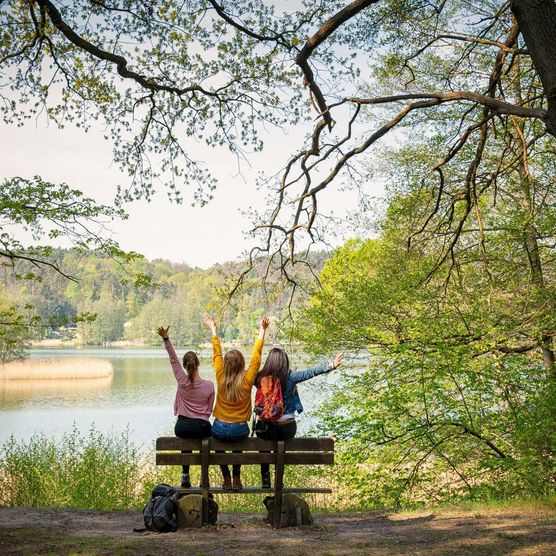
pixel 233 400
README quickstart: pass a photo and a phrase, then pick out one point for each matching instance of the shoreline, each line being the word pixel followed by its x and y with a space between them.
pixel 75 344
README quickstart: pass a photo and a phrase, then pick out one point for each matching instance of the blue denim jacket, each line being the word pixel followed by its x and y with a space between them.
pixel 292 403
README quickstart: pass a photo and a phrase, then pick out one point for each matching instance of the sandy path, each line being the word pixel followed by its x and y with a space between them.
pixel 509 531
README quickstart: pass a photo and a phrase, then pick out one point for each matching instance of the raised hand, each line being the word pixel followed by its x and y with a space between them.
pixel 162 332
pixel 263 325
pixel 338 360
pixel 209 322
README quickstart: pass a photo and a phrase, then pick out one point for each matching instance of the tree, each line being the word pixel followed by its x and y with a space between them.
pixel 453 401
pixel 14 334
pixel 49 211
pixel 455 301
pixel 216 70
pixel 108 323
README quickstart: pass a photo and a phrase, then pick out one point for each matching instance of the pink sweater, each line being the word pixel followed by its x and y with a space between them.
pixel 193 399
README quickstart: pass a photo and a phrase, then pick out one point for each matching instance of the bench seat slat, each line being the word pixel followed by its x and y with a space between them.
pixel 309 458
pixel 254 444
pixel 254 490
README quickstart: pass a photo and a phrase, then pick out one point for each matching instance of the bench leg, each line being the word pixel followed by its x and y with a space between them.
pixel 294 510
pixel 205 479
pixel 278 483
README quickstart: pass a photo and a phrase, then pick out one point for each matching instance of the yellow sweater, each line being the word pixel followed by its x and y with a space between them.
pixel 225 410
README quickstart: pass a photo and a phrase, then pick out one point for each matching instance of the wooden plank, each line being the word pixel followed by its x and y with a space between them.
pixel 254 490
pixel 174 443
pixel 249 444
pixel 205 479
pixel 302 444
pixel 309 458
pixel 293 445
pixel 214 459
pixel 249 458
pixel 165 458
pixel 246 445
pixel 278 482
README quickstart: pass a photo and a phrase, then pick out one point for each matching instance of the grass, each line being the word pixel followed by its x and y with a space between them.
pixel 54 369
pixel 108 472
pixel 93 472
pixel 522 503
pixel 52 543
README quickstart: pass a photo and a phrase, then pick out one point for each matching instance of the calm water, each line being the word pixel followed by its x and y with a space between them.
pixel 140 395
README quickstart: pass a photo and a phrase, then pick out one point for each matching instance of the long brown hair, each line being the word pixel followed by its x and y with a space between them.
pixel 190 364
pixel 234 369
pixel 277 365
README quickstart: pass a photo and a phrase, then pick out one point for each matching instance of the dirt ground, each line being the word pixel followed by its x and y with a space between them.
pixel 517 531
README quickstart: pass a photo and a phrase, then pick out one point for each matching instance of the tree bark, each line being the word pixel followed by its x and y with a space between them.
pixel 530 241
pixel 537 23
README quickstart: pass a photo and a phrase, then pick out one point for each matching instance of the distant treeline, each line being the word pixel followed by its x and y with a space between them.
pixel 105 304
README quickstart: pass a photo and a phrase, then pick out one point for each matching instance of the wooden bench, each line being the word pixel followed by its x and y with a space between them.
pixel 254 451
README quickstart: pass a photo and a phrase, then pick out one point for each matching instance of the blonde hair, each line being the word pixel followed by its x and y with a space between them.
pixel 234 370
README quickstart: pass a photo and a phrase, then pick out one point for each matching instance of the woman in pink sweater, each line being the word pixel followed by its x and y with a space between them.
pixel 194 398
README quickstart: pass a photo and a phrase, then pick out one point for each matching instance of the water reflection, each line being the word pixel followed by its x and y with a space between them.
pixel 18 392
pixel 139 395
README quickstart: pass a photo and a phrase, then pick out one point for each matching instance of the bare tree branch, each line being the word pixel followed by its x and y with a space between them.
pixel 324 31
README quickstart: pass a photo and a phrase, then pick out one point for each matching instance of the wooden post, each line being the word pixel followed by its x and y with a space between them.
pixel 205 479
pixel 278 482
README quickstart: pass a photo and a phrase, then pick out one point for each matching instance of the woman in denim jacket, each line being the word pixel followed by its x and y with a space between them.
pixel 277 366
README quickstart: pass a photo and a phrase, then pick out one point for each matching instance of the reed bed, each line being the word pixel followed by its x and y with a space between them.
pixel 56 369
pixel 24 389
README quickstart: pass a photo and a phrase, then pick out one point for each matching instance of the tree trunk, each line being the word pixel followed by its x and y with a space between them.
pixel 537 23
pixel 530 240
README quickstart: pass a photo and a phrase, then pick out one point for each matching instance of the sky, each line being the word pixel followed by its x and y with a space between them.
pixel 195 235
pixel 198 236
pixel 159 229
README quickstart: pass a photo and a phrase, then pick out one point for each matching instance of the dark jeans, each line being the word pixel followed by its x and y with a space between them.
pixel 230 432
pixel 276 432
pixel 186 427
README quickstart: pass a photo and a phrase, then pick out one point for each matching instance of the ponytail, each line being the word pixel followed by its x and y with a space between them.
pixel 190 364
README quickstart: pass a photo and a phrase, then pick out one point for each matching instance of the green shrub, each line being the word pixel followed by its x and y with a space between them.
pixel 108 472
pixel 94 471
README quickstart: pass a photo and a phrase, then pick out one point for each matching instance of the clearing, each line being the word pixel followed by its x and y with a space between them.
pixel 508 530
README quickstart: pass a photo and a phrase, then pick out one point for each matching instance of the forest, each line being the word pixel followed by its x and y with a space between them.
pixel 104 303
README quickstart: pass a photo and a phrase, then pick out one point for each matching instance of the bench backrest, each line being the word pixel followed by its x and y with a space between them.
pixel 297 451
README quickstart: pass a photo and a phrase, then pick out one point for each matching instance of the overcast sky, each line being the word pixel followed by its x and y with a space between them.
pixel 198 236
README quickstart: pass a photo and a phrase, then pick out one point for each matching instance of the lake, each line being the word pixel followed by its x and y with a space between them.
pixel 139 396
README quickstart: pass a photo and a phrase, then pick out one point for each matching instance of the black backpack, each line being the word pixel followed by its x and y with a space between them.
pixel 161 512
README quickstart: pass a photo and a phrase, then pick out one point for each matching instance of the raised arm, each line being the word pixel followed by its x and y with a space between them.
pixel 211 399
pixel 256 356
pixel 217 361
pixel 306 374
pixel 179 373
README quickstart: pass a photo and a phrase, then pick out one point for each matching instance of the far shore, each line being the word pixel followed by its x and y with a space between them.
pixel 75 343
pixel 56 369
